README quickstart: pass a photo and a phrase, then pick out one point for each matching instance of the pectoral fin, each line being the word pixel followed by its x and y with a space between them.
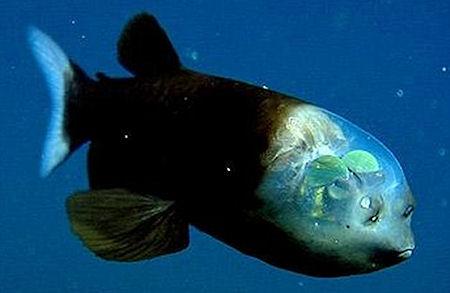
pixel 119 225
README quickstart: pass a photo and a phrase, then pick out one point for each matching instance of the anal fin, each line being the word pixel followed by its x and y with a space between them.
pixel 119 225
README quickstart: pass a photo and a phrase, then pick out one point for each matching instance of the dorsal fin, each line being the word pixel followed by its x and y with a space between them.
pixel 144 48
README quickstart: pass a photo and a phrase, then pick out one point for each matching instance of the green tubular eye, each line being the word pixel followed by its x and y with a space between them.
pixel 325 170
pixel 360 161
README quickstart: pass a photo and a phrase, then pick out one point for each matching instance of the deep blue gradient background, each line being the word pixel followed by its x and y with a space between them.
pixel 384 65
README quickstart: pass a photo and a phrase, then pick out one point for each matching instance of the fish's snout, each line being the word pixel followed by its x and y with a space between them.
pixel 406 248
pixel 388 257
pixel 406 253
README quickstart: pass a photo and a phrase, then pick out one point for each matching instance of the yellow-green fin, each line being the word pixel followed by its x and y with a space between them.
pixel 119 225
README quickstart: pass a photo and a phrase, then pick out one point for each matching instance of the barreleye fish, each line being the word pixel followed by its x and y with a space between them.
pixel 273 176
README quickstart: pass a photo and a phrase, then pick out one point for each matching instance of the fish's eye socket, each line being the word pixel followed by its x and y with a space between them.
pixel 408 211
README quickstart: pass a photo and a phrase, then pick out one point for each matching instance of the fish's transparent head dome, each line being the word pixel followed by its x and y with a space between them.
pixel 338 191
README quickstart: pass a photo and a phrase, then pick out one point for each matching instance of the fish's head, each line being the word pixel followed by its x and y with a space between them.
pixel 339 195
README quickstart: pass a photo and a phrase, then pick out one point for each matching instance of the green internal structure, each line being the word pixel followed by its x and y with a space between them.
pixel 360 161
pixel 326 170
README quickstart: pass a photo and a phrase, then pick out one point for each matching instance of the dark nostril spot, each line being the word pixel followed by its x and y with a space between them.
pixel 408 211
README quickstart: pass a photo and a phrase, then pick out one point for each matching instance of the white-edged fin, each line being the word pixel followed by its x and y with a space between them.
pixel 58 73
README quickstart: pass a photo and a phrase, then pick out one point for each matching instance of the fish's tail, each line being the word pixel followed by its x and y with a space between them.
pixel 67 84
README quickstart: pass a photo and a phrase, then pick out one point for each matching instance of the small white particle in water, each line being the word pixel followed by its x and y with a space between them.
pixel 228 169
pixel 73 21
pixel 125 136
pixel 316 224
pixel 301 284
pixel 83 37
pixel 194 55
pixel 399 93
pixel 444 69
pixel 185 98
pixel 13 67
pixel 265 87
pixel 442 152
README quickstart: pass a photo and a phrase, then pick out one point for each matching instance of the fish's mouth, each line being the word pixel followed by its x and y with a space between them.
pixel 406 253
pixel 388 258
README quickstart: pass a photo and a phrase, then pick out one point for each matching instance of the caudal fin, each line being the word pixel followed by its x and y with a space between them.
pixel 64 80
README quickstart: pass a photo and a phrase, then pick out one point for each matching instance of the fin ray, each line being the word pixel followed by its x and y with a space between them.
pixel 67 84
pixel 57 69
pixel 119 225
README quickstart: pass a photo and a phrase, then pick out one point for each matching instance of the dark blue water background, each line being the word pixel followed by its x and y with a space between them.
pixel 384 65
